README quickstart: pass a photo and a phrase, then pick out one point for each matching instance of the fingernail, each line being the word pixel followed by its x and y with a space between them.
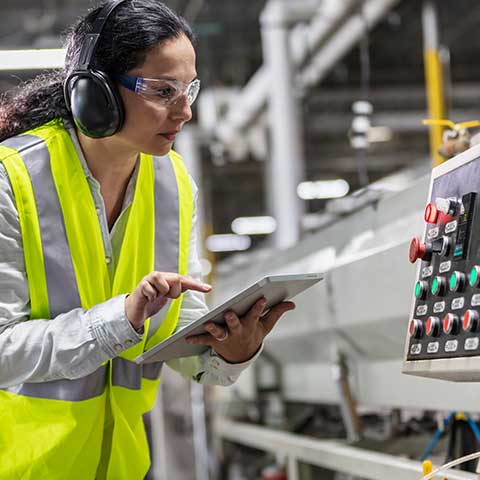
pixel 209 328
pixel 206 286
pixel 229 316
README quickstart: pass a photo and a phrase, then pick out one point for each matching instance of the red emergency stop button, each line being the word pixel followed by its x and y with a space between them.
pixel 431 213
pixel 418 249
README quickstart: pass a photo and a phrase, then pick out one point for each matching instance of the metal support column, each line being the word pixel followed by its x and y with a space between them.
pixel 285 168
pixel 433 77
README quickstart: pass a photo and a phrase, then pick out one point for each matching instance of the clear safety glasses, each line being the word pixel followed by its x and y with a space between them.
pixel 163 91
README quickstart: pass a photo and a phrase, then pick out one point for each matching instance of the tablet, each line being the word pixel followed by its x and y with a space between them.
pixel 275 288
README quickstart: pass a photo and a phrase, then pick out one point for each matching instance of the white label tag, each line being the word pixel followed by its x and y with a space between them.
pixel 451 346
pixel 433 233
pixel 438 307
pixel 476 300
pixel 451 227
pixel 416 348
pixel 432 347
pixel 458 303
pixel 427 271
pixel 445 267
pixel 422 310
pixel 471 343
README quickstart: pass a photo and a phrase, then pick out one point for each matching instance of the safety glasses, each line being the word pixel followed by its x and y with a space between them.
pixel 163 91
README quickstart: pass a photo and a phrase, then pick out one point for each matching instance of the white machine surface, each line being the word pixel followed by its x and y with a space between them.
pixel 275 289
pixel 443 339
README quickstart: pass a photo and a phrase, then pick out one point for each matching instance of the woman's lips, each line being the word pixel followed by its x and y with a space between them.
pixel 169 136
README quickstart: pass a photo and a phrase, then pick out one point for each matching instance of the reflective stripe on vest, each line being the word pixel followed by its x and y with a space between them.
pixel 57 214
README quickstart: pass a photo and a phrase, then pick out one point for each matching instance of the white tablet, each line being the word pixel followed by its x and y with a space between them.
pixel 275 288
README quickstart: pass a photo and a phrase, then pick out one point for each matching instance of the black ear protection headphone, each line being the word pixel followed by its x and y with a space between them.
pixel 91 96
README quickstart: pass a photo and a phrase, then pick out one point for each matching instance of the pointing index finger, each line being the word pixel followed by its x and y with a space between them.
pixel 191 284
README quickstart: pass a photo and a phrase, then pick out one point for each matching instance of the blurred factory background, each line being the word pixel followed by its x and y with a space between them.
pixel 309 150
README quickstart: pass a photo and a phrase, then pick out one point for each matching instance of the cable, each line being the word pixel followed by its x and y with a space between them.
pixel 453 463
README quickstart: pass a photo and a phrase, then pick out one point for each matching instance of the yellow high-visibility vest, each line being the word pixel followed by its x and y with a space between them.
pixel 90 428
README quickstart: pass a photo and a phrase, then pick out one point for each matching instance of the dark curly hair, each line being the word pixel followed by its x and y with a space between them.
pixel 133 28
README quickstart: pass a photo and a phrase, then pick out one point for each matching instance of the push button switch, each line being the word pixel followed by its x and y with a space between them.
pixel 457 282
pixel 474 277
pixel 421 289
pixel 432 327
pixel 451 324
pixel 416 328
pixel 470 321
pixel 439 286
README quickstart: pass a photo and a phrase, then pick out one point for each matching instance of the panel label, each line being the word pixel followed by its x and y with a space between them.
pixel 458 303
pixel 427 271
pixel 416 348
pixel 438 307
pixel 471 343
pixel 451 346
pixel 445 267
pixel 433 233
pixel 432 347
pixel 451 226
pixel 422 310
pixel 476 300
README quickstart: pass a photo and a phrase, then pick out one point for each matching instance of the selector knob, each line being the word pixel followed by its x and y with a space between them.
pixel 442 246
pixel 421 289
pixel 457 282
pixel 474 277
pixel 451 324
pixel 432 327
pixel 449 206
pixel 421 250
pixel 416 328
pixel 439 286
pixel 470 321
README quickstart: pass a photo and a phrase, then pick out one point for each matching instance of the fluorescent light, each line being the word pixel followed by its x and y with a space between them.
pixel 323 189
pixel 254 225
pixel 32 59
pixel 228 243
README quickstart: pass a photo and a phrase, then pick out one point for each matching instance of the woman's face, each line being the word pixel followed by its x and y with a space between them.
pixel 149 126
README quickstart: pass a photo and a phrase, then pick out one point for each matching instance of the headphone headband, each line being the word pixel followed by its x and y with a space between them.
pixel 91 40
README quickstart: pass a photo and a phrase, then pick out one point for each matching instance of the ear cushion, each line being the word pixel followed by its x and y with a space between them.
pixel 95 103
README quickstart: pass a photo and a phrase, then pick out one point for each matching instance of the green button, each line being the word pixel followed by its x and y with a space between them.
pixel 453 281
pixel 418 290
pixel 435 286
pixel 473 277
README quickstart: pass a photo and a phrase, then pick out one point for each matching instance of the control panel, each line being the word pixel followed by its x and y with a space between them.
pixel 443 336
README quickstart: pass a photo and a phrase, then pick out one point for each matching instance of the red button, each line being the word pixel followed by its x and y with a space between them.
pixel 450 324
pixel 470 320
pixel 417 250
pixel 431 213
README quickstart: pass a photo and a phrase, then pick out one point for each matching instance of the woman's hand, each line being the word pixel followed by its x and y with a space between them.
pixel 153 292
pixel 240 338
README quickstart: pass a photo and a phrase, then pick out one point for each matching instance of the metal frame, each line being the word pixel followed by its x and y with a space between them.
pixel 333 455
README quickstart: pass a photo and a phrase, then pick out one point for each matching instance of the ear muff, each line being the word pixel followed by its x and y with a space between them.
pixel 95 103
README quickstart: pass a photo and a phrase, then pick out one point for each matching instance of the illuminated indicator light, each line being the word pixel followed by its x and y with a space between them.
pixel 453 281
pixel 473 278
pixel 431 213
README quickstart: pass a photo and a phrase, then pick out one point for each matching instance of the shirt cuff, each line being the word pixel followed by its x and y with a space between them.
pixel 110 326
pixel 232 371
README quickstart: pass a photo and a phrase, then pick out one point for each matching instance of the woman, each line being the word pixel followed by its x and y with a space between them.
pixel 96 215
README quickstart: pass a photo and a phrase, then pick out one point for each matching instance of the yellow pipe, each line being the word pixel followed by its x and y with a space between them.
pixel 435 100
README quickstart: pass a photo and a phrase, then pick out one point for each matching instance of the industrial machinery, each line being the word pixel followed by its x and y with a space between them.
pixel 443 337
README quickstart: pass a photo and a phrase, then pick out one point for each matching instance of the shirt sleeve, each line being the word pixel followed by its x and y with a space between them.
pixel 71 345
pixel 207 368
